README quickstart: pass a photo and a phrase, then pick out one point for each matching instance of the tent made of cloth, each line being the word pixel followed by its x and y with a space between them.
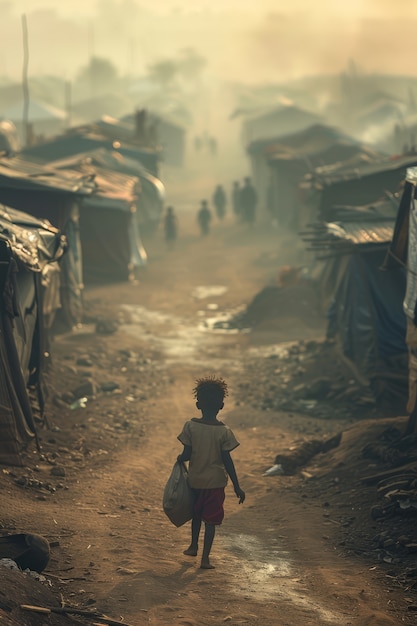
pixel 109 226
pixel 403 254
pixel 55 196
pixel 28 248
pixel 87 138
pixel 152 191
pixel 111 243
pixel 364 305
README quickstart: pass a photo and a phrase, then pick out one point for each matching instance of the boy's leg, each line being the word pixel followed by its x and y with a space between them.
pixel 210 531
pixel 195 533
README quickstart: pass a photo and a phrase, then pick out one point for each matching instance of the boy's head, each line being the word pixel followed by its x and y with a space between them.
pixel 210 393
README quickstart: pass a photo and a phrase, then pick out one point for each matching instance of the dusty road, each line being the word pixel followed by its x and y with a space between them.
pixel 277 562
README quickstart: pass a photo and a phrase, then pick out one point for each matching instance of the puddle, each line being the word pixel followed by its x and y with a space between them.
pixel 208 291
pixel 222 322
pixel 178 338
pixel 266 573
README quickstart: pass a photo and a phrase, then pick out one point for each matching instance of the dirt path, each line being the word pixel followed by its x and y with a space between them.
pixel 277 563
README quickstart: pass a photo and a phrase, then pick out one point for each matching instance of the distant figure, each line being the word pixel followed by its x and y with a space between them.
pixel 170 227
pixel 248 200
pixel 219 201
pixel 236 199
pixel 204 218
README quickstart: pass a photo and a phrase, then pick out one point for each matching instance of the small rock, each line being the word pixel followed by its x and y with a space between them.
pixel 58 470
pixel 84 361
pixel 109 386
pixel 85 389
pixel 106 327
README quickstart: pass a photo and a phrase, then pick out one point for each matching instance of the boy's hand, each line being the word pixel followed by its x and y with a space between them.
pixel 240 494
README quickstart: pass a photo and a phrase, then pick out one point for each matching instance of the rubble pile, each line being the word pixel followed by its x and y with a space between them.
pixel 287 380
pixel 275 302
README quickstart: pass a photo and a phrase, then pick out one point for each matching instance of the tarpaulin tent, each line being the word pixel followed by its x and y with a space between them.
pixel 110 239
pixel 364 303
pixel 151 192
pixel 28 248
pixel 53 195
pixel 402 254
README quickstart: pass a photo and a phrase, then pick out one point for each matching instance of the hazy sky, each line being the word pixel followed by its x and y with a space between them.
pixel 247 40
pixel 351 8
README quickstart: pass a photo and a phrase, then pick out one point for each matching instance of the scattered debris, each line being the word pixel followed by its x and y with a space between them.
pixel 290 463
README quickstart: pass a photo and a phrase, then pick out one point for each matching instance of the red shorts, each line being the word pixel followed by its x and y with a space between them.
pixel 208 505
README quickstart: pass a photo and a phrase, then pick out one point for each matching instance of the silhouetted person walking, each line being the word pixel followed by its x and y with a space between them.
pixel 248 201
pixel 204 218
pixel 219 201
pixel 236 199
pixel 170 227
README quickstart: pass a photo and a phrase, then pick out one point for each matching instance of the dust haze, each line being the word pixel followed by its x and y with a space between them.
pixel 245 41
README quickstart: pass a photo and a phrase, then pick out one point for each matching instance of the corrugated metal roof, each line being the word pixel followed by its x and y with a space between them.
pixel 20 173
pixel 361 233
pixel 333 238
pixel 110 185
pixel 329 175
pixel 81 140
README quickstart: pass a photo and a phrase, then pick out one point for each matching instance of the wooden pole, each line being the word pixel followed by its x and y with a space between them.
pixel 66 610
pixel 25 84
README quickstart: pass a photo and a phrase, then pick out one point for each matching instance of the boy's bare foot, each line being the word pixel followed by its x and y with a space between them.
pixel 206 565
pixel 190 551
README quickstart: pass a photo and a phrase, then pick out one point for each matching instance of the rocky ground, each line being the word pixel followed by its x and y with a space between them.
pixel 332 543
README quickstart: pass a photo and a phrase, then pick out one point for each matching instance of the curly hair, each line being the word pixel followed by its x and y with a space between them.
pixel 210 391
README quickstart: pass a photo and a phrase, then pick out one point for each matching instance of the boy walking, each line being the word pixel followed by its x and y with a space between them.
pixel 207 446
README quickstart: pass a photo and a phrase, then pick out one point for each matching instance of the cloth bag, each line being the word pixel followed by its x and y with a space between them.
pixel 178 500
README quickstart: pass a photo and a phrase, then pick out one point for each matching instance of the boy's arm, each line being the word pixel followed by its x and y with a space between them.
pixel 185 454
pixel 230 469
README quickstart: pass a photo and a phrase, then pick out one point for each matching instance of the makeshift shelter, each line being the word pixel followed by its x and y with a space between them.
pixel 55 196
pixel 29 250
pixel 91 137
pixel 284 119
pixel 110 238
pixel 402 254
pixel 167 132
pixel 358 184
pixel 109 230
pixel 151 197
pixel 279 166
pixel 363 303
